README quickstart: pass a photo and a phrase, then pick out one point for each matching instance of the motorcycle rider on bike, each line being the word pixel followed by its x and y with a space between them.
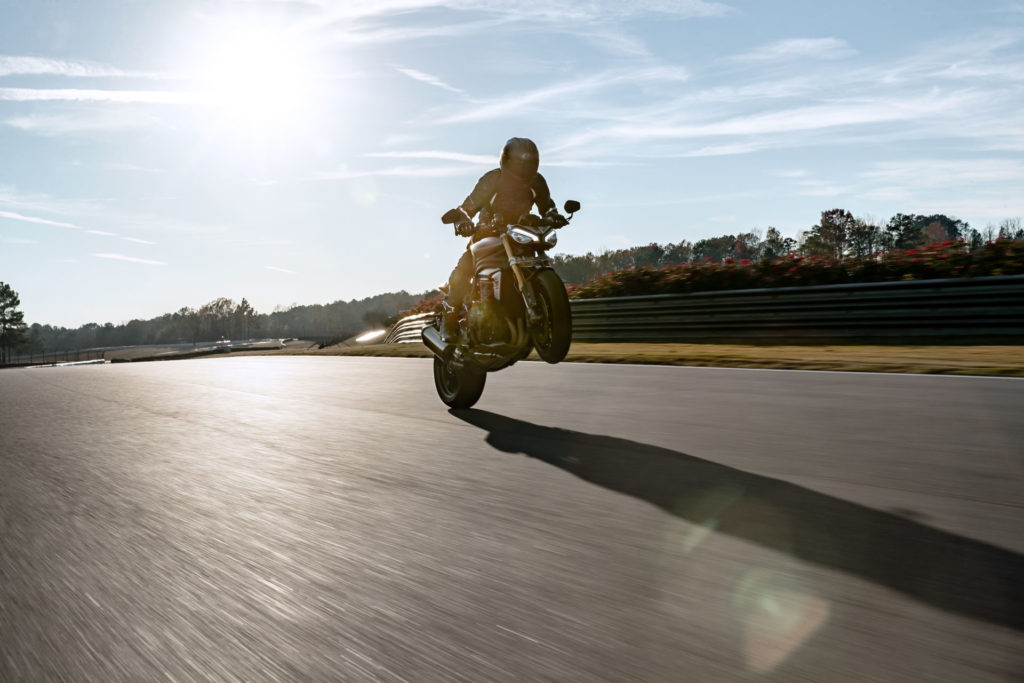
pixel 500 196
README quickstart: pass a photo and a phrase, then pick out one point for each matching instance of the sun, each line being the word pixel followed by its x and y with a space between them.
pixel 258 78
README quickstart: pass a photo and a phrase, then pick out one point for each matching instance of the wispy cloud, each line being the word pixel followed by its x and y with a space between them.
pixel 86 120
pixel 280 270
pixel 94 95
pixel 942 173
pixel 823 188
pixel 42 221
pixel 397 171
pixel 798 48
pixel 130 259
pixel 527 11
pixel 12 215
pixel 793 120
pixel 516 103
pixel 18 240
pixel 428 79
pixel 477 159
pixel 131 168
pixel 473 160
pixel 727 150
pixel 350 34
pixel 14 65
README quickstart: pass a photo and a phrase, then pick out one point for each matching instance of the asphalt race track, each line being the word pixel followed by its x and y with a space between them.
pixel 286 518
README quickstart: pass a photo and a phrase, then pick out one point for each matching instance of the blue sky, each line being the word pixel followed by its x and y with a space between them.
pixel 155 154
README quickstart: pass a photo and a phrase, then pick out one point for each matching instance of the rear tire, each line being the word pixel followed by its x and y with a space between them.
pixel 552 334
pixel 458 386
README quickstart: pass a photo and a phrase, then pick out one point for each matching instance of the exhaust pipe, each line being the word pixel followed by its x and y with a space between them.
pixel 432 340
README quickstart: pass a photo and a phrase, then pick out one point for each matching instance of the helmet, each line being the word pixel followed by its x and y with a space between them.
pixel 520 158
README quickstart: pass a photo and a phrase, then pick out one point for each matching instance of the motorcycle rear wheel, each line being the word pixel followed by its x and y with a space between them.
pixel 552 334
pixel 458 386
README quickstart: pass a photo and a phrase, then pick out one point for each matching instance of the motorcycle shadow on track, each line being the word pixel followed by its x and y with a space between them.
pixel 947 571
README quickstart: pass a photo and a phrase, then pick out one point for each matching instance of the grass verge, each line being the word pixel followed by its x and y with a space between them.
pixel 1000 361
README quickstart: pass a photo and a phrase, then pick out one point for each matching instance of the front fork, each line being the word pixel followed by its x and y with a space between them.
pixel 517 270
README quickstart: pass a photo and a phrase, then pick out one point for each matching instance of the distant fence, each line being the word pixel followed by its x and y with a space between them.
pixel 961 309
pixel 55 357
pixel 165 350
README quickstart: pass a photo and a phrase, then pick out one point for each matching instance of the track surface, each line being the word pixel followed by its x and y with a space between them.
pixel 259 519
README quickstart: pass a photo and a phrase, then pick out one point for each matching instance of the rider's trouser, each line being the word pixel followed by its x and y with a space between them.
pixel 458 289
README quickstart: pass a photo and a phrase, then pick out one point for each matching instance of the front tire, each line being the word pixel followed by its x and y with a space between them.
pixel 552 333
pixel 458 386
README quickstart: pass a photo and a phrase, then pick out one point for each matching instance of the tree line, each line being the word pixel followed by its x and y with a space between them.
pixel 221 318
pixel 838 234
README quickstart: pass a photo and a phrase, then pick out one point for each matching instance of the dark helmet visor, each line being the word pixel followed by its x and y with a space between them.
pixel 520 158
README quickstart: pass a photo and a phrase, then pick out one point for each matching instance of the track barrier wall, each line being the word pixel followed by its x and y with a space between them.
pixel 962 310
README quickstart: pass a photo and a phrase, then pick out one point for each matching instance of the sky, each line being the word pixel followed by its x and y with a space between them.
pixel 155 155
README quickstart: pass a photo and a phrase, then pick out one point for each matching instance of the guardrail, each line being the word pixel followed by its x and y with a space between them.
pixel 960 309
pixel 988 308
pixel 407 330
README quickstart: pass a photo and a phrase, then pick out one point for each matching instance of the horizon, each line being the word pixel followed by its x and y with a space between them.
pixel 304 150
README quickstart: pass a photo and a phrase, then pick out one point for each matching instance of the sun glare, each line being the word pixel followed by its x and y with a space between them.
pixel 259 79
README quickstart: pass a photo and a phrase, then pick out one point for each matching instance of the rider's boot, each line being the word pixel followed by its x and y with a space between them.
pixel 449 323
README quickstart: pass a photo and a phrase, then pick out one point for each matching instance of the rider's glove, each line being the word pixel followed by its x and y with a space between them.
pixel 555 219
pixel 464 225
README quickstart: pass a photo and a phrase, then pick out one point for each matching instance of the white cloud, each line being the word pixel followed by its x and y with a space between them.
pixel 397 171
pixel 477 159
pixel 514 104
pixel 794 120
pixel 727 150
pixel 351 35
pixel 12 198
pixel 130 259
pixel 12 215
pixel 529 11
pixel 941 173
pixel 18 240
pixel 42 221
pixel 92 121
pixel 814 48
pixel 93 95
pixel 428 79
pixel 280 270
pixel 821 188
pixel 41 66
pixel 131 168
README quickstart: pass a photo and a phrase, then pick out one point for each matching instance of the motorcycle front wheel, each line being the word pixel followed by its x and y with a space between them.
pixel 552 333
pixel 458 386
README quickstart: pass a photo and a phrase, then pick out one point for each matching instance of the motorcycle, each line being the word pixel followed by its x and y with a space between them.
pixel 517 303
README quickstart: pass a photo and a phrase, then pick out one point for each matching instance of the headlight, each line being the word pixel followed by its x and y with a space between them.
pixel 522 236
pixel 551 239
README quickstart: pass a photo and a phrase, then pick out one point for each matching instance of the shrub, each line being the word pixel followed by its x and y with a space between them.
pixel 937 260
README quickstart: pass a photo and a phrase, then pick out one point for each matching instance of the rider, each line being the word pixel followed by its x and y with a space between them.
pixel 500 196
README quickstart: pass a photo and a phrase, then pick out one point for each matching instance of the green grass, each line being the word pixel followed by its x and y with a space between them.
pixel 1002 361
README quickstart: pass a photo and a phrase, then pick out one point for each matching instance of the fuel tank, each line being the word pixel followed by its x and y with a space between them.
pixel 488 252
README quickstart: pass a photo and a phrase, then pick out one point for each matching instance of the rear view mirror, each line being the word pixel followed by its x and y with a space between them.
pixel 572 206
pixel 450 216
